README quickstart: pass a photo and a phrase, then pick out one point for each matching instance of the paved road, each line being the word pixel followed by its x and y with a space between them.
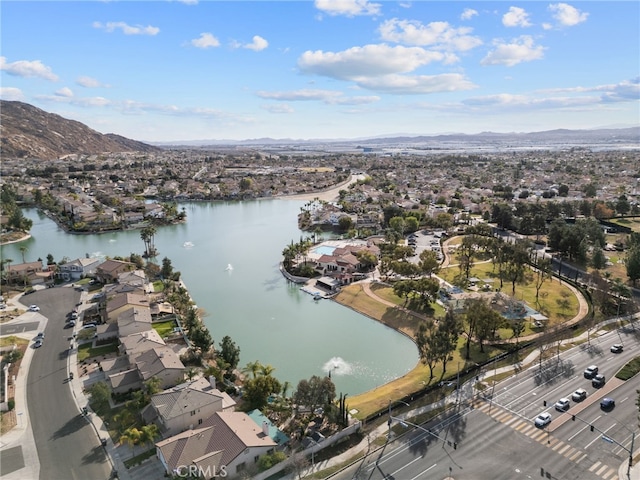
pixel 67 445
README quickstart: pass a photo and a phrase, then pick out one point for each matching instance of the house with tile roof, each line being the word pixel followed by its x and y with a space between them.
pixel 186 406
pixel 189 449
pixel 119 303
pixel 108 271
pixel 161 363
pixel 239 439
pixel 78 268
pixel 135 319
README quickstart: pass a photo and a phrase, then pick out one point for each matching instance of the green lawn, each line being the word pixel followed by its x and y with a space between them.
pixel 164 329
pixel 87 351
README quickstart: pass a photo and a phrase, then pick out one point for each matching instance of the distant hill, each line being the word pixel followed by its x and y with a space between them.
pixel 600 136
pixel 28 132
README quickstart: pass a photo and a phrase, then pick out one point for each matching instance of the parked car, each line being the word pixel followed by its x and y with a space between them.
pixel 34 308
pixel 37 343
pixel 72 323
pixel 563 405
pixel 40 335
pixel 616 348
pixel 542 420
pixel 590 371
pixel 607 403
pixel 579 395
pixel 598 381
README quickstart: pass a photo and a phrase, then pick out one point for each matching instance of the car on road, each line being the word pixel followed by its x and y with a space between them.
pixel 562 405
pixel 598 381
pixel 542 420
pixel 579 395
pixel 616 348
pixel 34 308
pixel 37 343
pixel 607 403
pixel 590 371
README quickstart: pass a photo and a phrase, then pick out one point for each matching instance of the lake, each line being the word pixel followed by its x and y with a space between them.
pixel 228 254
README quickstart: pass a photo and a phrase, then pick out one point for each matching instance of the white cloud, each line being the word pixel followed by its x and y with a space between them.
pixel 78 101
pixel 258 44
pixel 64 92
pixel 205 40
pixel 277 108
pixel 627 90
pixel 516 17
pixel 509 101
pixel 521 49
pixel 89 82
pixel 11 94
pixel 417 84
pixel 349 8
pixel 567 15
pixel 26 68
pixel 330 97
pixel 468 13
pixel 369 60
pixel 126 29
pixel 438 34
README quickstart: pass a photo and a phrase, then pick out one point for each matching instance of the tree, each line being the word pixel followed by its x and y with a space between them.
pixel 429 264
pixel 315 392
pixel 257 390
pixel 147 234
pixel 201 339
pixel 632 262
pixel 253 368
pixel 167 269
pixel 598 259
pixel 229 352
pixel 543 272
pixel 131 436
pixel 345 223
pixel 23 249
pixel 99 394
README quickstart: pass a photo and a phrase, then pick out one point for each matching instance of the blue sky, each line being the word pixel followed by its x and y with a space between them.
pixel 191 70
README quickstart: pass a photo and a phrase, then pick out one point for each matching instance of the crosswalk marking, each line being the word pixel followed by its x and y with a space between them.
pixel 542 436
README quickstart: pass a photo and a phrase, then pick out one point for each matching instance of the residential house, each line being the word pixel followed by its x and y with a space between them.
pixel 235 434
pixel 29 273
pixel 192 449
pixel 275 433
pixel 78 268
pixel 161 363
pixel 108 271
pixel 186 406
pixel 135 319
pixel 124 301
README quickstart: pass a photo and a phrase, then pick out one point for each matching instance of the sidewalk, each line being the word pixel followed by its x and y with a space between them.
pixel 117 464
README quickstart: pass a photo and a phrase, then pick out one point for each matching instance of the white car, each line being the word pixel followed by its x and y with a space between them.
pixel 34 308
pixel 562 405
pixel 542 420
pixel 579 395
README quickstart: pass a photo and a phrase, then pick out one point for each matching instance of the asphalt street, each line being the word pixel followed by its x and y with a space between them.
pixel 67 445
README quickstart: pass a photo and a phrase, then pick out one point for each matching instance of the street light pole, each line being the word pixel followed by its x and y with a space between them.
pixel 390 417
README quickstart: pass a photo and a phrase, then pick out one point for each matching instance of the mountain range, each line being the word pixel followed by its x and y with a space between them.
pixel 29 132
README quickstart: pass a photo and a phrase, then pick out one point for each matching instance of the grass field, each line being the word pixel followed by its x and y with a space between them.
pixel 87 351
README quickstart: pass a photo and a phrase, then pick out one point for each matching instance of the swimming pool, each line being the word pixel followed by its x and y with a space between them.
pixel 324 250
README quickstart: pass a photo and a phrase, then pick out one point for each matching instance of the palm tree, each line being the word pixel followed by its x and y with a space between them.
pixel 23 249
pixel 149 433
pixel 253 368
pixel 285 386
pixel 266 370
pixel 131 436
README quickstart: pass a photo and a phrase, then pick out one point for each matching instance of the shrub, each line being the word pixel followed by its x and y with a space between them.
pixel 12 404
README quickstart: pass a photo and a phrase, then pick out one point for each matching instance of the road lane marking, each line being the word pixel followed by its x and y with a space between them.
pixel 594 466
pixel 424 471
pixel 562 450
pixel 402 468
pixel 602 469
